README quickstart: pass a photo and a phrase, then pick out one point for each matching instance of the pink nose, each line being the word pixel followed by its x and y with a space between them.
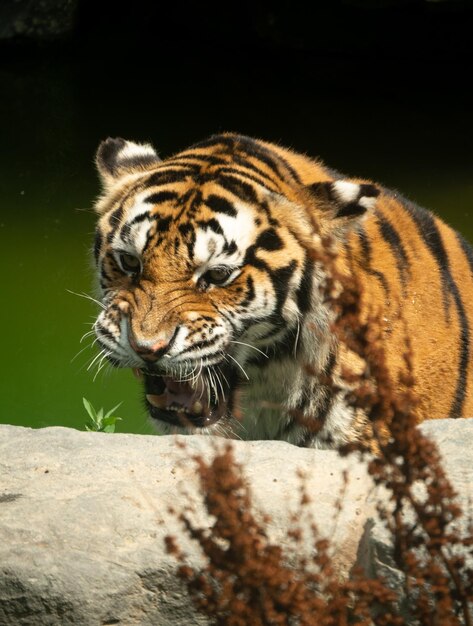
pixel 147 352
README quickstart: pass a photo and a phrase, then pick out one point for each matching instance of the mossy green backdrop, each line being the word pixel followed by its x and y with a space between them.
pixel 411 132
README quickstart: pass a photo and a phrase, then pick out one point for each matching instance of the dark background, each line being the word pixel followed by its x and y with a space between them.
pixel 367 72
pixel 377 89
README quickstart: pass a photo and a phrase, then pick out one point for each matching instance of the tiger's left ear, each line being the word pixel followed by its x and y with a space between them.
pixel 347 199
pixel 117 157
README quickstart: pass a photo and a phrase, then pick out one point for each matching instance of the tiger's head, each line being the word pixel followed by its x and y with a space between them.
pixel 204 266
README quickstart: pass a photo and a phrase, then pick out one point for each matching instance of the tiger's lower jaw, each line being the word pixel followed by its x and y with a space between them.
pixel 181 417
pixel 178 404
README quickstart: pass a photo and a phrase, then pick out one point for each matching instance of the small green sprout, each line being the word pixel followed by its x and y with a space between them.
pixel 98 421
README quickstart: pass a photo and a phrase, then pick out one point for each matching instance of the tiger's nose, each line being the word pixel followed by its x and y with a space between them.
pixel 149 351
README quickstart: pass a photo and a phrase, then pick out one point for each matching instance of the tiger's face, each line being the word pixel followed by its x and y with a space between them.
pixel 203 270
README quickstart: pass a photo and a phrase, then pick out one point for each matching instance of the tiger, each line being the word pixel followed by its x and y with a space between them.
pixel 210 294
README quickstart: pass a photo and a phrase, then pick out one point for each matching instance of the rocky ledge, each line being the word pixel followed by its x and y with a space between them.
pixel 83 517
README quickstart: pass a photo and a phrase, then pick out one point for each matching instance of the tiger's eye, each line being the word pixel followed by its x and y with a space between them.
pixel 217 275
pixel 130 263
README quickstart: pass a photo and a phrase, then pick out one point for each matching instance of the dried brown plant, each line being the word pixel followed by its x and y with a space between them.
pixel 427 546
pixel 247 580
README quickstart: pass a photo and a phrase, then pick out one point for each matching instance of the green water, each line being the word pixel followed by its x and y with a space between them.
pixel 53 114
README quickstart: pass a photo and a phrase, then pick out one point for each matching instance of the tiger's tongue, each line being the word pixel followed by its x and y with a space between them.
pixel 180 393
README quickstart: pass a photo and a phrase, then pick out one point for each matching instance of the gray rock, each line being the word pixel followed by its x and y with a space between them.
pixel 83 518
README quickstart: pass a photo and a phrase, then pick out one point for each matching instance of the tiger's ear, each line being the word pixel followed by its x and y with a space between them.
pixel 117 157
pixel 348 199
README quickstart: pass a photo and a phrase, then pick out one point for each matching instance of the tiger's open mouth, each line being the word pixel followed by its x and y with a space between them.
pixel 181 404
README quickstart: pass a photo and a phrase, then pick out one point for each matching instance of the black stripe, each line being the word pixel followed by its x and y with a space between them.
pixel 467 250
pixel 269 240
pixel 430 234
pixel 126 228
pixel 262 176
pixel 212 224
pixel 160 177
pixel 201 345
pixel 227 316
pixel 140 218
pixel 149 237
pixel 323 190
pixel 460 391
pixel 239 148
pixel 163 223
pixel 366 190
pixel 263 207
pixel 161 196
pixel 351 209
pixel 250 292
pixel 242 190
pixel 104 332
pixel 238 175
pixel 125 232
pixel 113 266
pixel 265 155
pixel 193 198
pixel 392 238
pixel 105 276
pixel 165 177
pixel 211 159
pixel 366 247
pixel 280 279
pixel 115 217
pixel 185 229
pixel 304 291
pixel 97 244
pixel 251 147
pixel 291 170
pixel 252 259
pixel 220 205
pixel 230 247
pixel 173 164
pixel 188 233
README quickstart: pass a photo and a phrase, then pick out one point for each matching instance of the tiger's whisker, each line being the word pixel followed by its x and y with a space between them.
pixel 233 359
pixel 101 365
pixel 242 343
pixel 87 297
pixel 89 333
pixel 96 358
pixel 82 350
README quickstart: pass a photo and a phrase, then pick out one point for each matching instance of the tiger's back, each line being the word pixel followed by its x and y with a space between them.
pixel 421 271
pixel 212 294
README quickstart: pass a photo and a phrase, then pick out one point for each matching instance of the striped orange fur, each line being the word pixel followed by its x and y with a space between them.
pixel 211 294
